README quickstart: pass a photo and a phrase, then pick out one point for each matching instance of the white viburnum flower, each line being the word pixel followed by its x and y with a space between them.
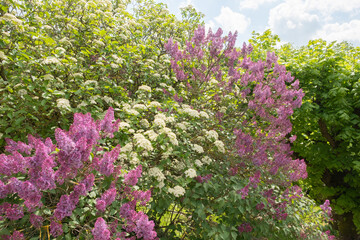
pixel 159 122
pixel 190 173
pixel 154 104
pixel 197 148
pixel 51 60
pixel 141 141
pixel 151 135
pixel 198 163
pixel 177 191
pixel 145 88
pixel 2 55
pixel 157 173
pixel 139 107
pixel 212 135
pixel 206 160
pixel 124 125
pixel 127 148
pixel 220 146
pixel 204 114
pixel 63 103
pixel 145 123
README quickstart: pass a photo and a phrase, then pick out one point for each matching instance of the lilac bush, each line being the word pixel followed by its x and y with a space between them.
pixel 63 187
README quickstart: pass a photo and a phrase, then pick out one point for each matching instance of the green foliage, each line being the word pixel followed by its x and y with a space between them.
pixel 90 53
pixel 65 56
pixel 327 125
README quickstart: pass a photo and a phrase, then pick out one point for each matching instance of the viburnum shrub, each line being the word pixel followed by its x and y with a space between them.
pixel 72 188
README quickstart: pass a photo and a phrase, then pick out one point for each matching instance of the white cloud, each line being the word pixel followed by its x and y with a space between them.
pixel 232 21
pixel 292 20
pixel 326 7
pixel 340 32
pixel 300 20
pixel 253 4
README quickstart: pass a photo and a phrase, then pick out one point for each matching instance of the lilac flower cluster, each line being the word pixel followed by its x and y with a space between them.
pixel 326 207
pixel 67 162
pixel 203 179
pixel 245 227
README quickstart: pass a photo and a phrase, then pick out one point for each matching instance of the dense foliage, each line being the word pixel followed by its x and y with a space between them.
pixel 328 124
pixel 206 126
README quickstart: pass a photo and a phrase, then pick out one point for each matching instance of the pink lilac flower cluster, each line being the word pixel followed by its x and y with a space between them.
pixel 204 179
pixel 326 207
pixel 51 165
pixel 269 90
pixel 245 227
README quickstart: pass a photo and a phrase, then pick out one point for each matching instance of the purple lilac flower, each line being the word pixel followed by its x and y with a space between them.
pixel 326 207
pixel 100 230
pixel 245 227
pixel 100 205
pixel 36 220
pixel 106 125
pixel 131 178
pixel 106 199
pixel 106 164
pixel 56 228
pixel 145 228
pixel 64 207
pixel 244 191
pixel 15 212
pixel 17 236
pixel 88 181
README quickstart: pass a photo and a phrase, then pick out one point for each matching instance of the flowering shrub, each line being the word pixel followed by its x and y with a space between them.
pixel 71 187
pixel 202 150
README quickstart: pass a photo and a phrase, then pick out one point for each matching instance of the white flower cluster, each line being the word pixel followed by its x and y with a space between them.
pixel 89 82
pixel 154 104
pixel 167 153
pixel 178 165
pixel 198 163
pixel 191 112
pixel 212 135
pixel 220 146
pixel 170 134
pixel 134 160
pixel 141 141
pixel 151 135
pixel 48 77
pixel 11 18
pixel 145 123
pixel 2 55
pixel 157 173
pixel 206 160
pixel 181 125
pixel 124 125
pixel 190 173
pixel 145 88
pixel 203 114
pixel 51 60
pixel 108 99
pixel 127 148
pixel 198 148
pixel 98 42
pixel 139 106
pixel 63 103
pixel 177 191
pixel 159 122
pixel 22 92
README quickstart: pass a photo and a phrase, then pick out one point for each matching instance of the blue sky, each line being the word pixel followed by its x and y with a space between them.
pixel 295 21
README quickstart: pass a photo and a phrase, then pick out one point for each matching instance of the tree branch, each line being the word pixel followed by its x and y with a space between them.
pixel 325 133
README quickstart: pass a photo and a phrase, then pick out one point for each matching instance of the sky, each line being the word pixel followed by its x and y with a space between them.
pixel 295 21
